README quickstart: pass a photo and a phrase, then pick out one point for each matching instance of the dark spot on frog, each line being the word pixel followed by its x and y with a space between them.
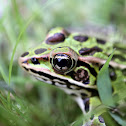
pixel 113 76
pixel 56 38
pixel 83 96
pixel 101 120
pixel 80 38
pixel 100 41
pixel 45 58
pixel 80 75
pixel 121 58
pixel 24 54
pixel 86 103
pixel 89 51
pixel 39 51
pixel 86 82
pixel 35 61
pixel 124 72
pixel 121 49
pixel 74 95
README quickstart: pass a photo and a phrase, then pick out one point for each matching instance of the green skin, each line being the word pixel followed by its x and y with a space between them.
pixel 45 63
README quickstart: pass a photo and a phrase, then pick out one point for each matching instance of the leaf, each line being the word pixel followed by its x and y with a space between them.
pixel 118 118
pixel 16 44
pixel 104 84
pixel 14 50
pixel 109 121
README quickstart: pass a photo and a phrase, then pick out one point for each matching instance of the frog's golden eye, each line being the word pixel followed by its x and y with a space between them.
pixel 63 60
pixel 62 63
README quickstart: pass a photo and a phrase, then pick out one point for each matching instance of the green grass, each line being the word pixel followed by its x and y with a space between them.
pixel 24 24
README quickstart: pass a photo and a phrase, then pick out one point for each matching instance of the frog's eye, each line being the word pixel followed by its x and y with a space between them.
pixel 63 60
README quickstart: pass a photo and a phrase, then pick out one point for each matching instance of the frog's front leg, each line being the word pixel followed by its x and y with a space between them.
pixel 86 105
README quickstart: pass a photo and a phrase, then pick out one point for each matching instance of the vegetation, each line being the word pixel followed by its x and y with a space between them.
pixel 24 24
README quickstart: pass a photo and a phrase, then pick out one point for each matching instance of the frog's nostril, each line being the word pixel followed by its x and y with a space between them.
pixel 35 61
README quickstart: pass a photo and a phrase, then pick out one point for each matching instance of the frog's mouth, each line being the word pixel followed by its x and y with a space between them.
pixel 53 78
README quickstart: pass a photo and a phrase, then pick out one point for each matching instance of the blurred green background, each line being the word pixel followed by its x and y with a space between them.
pixel 24 24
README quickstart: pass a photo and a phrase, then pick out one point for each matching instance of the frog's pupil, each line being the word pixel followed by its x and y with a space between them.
pixel 62 62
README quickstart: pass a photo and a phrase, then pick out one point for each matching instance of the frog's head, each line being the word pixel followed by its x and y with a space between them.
pixel 58 65
pixel 61 60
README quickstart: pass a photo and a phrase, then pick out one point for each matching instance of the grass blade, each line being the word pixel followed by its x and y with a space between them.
pixel 3 74
pixel 104 84
pixel 120 120
pixel 14 50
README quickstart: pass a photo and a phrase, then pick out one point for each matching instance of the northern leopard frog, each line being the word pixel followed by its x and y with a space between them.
pixel 71 61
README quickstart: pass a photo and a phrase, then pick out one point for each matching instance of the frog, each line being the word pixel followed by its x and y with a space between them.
pixel 71 61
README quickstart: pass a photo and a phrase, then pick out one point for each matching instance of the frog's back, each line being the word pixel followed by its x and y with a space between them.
pixel 85 44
